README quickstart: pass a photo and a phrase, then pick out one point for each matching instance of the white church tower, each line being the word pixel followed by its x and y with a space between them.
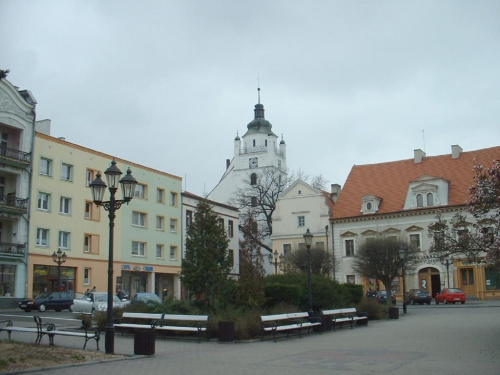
pixel 256 150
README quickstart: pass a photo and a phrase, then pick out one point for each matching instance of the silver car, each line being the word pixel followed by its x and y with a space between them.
pixel 93 302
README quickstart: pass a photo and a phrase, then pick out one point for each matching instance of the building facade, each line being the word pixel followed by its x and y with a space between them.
pixel 147 231
pixel 17 122
pixel 301 207
pixel 401 199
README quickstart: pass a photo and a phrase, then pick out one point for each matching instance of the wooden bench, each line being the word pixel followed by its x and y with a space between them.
pixel 346 315
pixel 51 330
pixel 288 323
pixel 166 322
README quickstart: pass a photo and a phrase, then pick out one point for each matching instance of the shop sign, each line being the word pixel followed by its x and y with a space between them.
pixel 125 267
pixel 148 268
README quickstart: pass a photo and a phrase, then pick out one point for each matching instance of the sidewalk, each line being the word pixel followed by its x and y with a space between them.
pixel 451 339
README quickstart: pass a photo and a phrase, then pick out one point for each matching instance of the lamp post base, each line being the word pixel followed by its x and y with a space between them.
pixel 109 340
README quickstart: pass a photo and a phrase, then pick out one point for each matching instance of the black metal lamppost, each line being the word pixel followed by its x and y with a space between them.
pixel 276 261
pixel 402 256
pixel 98 188
pixel 59 257
pixel 308 237
pixel 447 262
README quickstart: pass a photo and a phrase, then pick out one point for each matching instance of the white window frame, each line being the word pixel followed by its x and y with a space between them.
pixel 173 253
pixel 160 249
pixel 42 237
pixel 43 203
pixel 66 172
pixel 138 248
pixel 411 241
pixel 140 191
pixel 86 276
pixel 64 241
pixel 173 225
pixel 160 222
pixel 173 199
pixel 90 176
pixel 160 195
pixel 45 167
pixel 65 205
pixel 87 243
pixel 301 221
pixel 350 240
pixel 139 219
pixel 230 228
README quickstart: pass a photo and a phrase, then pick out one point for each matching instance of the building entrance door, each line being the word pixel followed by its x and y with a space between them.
pixel 429 278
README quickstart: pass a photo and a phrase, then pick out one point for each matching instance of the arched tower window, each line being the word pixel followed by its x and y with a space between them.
pixel 253 179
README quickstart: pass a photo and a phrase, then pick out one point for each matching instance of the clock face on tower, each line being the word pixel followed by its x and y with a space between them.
pixel 253 162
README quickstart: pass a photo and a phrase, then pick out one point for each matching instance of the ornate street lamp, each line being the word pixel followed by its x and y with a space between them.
pixel 402 256
pixel 276 261
pixel 98 188
pixel 308 237
pixel 59 258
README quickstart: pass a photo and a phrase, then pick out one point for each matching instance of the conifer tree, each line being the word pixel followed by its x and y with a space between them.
pixel 207 263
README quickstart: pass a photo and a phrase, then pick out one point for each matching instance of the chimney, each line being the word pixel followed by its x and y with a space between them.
pixel 334 192
pixel 228 162
pixel 418 156
pixel 43 126
pixel 456 150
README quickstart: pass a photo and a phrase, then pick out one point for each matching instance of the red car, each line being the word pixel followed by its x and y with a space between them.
pixel 450 295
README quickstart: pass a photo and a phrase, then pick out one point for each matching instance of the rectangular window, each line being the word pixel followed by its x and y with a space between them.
pixel 140 191
pixel 42 237
pixel 189 218
pixel 86 276
pixel 173 225
pixel 138 248
pixel 301 221
pixel 302 246
pixel 159 251
pixel 43 201
pixel 173 252
pixel 88 210
pixel 350 279
pixel 221 222
pixel 415 241
pixel 349 248
pixel 319 245
pixel 64 240
pixel 231 257
pixel 65 205
pixel 173 199
pixel 45 167
pixel 138 219
pixel 160 223
pixel 91 243
pixel 160 195
pixel 230 228
pixel 90 176
pixel 66 172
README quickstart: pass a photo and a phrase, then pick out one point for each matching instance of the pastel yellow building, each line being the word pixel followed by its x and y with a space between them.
pixel 147 231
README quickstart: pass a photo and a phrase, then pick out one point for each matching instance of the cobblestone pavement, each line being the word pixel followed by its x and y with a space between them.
pixel 444 339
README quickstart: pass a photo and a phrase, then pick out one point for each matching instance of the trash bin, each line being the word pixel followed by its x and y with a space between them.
pixel 144 342
pixel 393 313
pixel 226 331
pixel 327 323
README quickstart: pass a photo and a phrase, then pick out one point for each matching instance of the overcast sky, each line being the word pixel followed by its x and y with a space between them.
pixel 345 82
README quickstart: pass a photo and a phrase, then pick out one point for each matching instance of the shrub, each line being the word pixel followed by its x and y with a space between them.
pixel 373 309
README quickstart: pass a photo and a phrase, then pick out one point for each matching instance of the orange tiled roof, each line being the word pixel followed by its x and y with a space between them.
pixel 390 181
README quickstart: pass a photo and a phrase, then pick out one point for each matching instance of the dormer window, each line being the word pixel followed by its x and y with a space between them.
pixel 370 204
pixel 427 191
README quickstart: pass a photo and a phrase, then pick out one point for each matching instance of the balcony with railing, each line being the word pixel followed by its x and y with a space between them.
pixel 14 157
pixel 12 249
pixel 12 204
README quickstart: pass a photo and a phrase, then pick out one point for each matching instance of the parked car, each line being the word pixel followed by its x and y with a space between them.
pixel 57 301
pixel 147 298
pixel 419 296
pixel 450 295
pixel 90 303
pixel 382 297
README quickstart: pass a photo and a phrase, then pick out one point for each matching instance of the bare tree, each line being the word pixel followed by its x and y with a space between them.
pixel 259 197
pixel 379 258
pixel 321 261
